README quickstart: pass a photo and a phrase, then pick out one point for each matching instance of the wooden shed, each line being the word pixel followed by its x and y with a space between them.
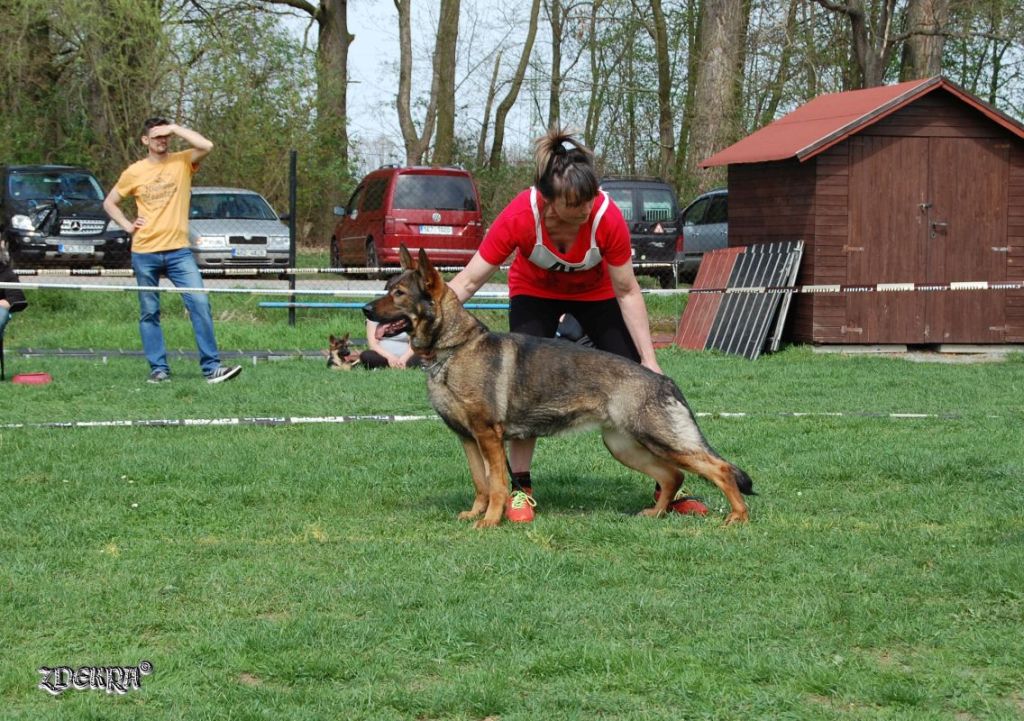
pixel 919 182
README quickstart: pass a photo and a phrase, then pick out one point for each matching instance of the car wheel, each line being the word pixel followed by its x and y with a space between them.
pixel 372 261
pixel 667 279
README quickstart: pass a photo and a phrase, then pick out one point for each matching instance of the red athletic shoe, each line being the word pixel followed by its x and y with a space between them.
pixel 519 506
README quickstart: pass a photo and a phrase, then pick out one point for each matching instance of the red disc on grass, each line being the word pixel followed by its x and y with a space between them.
pixel 32 379
pixel 690 506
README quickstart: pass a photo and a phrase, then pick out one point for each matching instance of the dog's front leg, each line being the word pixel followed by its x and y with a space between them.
pixel 479 472
pixel 492 447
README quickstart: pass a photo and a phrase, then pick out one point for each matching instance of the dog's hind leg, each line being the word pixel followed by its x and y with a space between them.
pixel 632 454
pixel 723 474
pixel 479 473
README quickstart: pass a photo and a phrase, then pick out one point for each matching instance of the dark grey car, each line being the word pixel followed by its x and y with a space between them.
pixel 650 209
pixel 53 215
pixel 704 226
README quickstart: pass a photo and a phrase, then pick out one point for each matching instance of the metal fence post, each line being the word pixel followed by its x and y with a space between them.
pixel 292 212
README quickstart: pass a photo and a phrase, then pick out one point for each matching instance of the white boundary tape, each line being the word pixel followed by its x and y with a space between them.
pixel 973 285
pixel 331 420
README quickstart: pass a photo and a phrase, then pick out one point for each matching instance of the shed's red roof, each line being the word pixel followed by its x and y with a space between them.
pixel 830 119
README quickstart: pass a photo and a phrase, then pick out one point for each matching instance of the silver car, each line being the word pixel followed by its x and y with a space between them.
pixel 705 226
pixel 234 227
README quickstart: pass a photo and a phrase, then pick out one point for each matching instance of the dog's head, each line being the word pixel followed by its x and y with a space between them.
pixel 340 355
pixel 411 302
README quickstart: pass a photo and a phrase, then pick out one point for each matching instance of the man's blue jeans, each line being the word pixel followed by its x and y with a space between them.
pixel 179 266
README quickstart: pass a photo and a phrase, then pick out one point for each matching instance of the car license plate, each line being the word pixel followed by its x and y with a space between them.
pixel 79 249
pixel 436 230
pixel 249 252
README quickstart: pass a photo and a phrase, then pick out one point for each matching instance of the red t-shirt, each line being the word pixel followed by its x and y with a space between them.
pixel 515 230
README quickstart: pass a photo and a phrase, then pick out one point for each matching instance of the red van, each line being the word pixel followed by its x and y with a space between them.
pixel 434 208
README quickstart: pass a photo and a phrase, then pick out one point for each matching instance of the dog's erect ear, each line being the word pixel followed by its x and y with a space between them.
pixel 332 339
pixel 403 255
pixel 433 283
pixel 344 338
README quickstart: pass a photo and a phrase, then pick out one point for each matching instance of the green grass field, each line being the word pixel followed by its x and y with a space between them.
pixel 318 571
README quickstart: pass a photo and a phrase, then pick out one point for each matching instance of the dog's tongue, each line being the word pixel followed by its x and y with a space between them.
pixel 386 330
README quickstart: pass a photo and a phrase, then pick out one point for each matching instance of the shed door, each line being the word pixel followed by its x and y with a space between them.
pixel 966 238
pixel 888 187
pixel 927 210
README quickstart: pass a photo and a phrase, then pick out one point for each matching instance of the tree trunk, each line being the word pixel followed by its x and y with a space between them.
pixel 492 91
pixel 517 82
pixel 922 51
pixel 875 37
pixel 774 99
pixel 415 143
pixel 557 18
pixel 333 41
pixel 685 177
pixel 444 72
pixel 333 44
pixel 658 30
pixel 716 100
pixel 596 100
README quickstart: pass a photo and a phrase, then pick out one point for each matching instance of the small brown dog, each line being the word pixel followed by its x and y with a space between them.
pixel 340 356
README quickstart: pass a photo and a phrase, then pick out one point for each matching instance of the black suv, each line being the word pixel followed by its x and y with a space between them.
pixel 651 210
pixel 53 214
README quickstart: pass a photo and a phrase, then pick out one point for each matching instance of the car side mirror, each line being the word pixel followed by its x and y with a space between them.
pixel 284 216
pixel 340 211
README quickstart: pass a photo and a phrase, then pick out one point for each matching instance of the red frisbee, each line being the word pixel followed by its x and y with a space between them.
pixel 32 379
pixel 688 505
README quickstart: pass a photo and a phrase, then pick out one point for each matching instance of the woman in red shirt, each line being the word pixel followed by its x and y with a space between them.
pixel 574 256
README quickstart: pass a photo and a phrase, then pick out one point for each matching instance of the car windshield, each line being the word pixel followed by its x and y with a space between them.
pixel 236 206
pixel 53 185
pixel 414 191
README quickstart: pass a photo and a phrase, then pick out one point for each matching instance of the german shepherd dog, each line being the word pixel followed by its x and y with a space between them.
pixel 340 356
pixel 488 387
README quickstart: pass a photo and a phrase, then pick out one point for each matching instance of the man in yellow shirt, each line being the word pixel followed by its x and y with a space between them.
pixel 161 184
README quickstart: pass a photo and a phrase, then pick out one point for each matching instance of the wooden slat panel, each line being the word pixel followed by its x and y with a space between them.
pixel 701 309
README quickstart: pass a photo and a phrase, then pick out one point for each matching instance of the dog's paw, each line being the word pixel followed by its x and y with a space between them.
pixel 469 515
pixel 487 523
pixel 737 517
pixel 652 512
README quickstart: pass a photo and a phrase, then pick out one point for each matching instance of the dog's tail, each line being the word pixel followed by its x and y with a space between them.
pixel 743 481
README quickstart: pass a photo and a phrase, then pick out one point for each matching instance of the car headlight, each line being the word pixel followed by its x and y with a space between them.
pixel 22 222
pixel 278 242
pixel 212 242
